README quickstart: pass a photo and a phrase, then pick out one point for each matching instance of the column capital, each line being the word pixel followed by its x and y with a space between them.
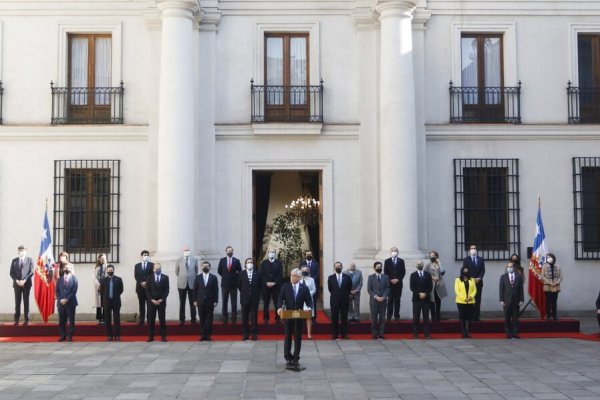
pixel 178 8
pixel 395 8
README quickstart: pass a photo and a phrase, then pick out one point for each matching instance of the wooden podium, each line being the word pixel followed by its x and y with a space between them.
pixel 296 314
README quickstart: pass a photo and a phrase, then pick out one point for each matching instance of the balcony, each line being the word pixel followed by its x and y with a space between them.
pixel 286 103
pixel 480 105
pixel 584 104
pixel 82 105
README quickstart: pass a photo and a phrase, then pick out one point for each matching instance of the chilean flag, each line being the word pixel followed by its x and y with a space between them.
pixel 43 283
pixel 538 258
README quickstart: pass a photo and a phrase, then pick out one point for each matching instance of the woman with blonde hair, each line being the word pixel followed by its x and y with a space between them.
pixel 99 275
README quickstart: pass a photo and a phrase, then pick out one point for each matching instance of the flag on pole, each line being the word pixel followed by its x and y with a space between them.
pixel 43 283
pixel 538 258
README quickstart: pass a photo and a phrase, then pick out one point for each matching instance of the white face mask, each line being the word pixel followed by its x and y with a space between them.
pixel 394 254
pixel 550 260
pixel 63 259
pixel 22 253
pixel 271 256
pixel 509 270
pixel 473 252
pixel 144 258
pixel 186 253
pixel 249 267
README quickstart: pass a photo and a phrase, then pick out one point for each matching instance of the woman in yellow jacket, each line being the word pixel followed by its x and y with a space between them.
pixel 465 289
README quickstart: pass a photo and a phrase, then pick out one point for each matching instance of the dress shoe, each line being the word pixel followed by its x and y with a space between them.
pixel 288 364
pixel 117 338
pixel 467 336
pixel 62 339
pixel 254 337
pixel 333 337
pixel 381 337
pixel 344 336
pixel 516 336
pixel 150 339
pixel 109 338
pixel 201 339
pixel 396 319
pixel 16 323
pixel 208 339
pixel 181 323
pixel 508 336
pixel 163 339
pixel 428 336
pixel 26 323
pixel 375 337
pixel 141 323
pixel 69 338
pixel 415 336
pixel 244 338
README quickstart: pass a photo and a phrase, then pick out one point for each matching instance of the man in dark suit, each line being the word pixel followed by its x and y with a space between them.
pixel 250 285
pixel 157 290
pixel 476 267
pixel 21 272
pixel 339 285
pixel 421 286
pixel 511 297
pixel 66 302
pixel 378 287
pixel 229 268
pixel 315 273
pixel 141 272
pixel 395 269
pixel 206 297
pixel 293 296
pixel 271 270
pixel 111 288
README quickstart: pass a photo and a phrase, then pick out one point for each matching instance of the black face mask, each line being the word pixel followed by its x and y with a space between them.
pixel 338 270
pixel 432 259
pixel 110 273
pixel 205 269
pixel 309 258
pixel 378 270
pixel 229 254
pixel 304 273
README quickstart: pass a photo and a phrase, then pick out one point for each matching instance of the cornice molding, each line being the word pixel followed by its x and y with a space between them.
pixel 395 8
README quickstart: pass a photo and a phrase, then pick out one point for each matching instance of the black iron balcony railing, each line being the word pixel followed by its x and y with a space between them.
pixel 286 103
pixel 485 104
pixel 82 105
pixel 584 104
pixel 1 95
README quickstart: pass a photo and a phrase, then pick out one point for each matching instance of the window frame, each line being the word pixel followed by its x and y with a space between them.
pixel 583 251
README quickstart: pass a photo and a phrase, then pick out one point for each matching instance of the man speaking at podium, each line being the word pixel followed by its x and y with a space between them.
pixel 293 296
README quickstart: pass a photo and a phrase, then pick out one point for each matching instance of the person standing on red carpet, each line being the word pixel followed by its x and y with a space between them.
pixel 111 288
pixel 229 268
pixel 250 285
pixel 551 277
pixel 476 266
pixel 157 290
pixel 206 297
pixel 395 268
pixel 339 285
pixel 309 282
pixel 21 272
pixel 598 309
pixel 66 303
pixel 465 290
pixel 141 272
pixel 378 287
pixel 272 272
pixel 421 286
pixel 511 298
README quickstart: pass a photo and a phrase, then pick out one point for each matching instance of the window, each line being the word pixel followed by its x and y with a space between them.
pixel 286 77
pixel 486 196
pixel 586 194
pixel 588 66
pixel 86 208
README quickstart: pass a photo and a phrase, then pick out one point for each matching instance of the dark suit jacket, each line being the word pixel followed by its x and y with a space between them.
pixel 339 295
pixel 377 288
pixel 314 270
pixel 511 294
pixel 397 271
pixel 250 293
pixel 476 271
pixel 15 270
pixel 117 290
pixel 208 293
pixel 598 302
pixel 286 297
pixel 420 285
pixel 229 279
pixel 141 275
pixel 68 291
pixel 272 271
pixel 157 290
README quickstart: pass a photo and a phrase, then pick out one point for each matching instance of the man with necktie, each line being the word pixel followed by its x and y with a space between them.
pixel 112 288
pixel 206 297
pixel 272 273
pixel 21 273
pixel 66 302
pixel 315 273
pixel 378 287
pixel 250 285
pixel 229 268
pixel 421 286
pixel 293 296
pixel 476 267
pixel 186 270
pixel 511 295
pixel 357 284
pixel 157 290
pixel 339 285
pixel 141 272
pixel 395 269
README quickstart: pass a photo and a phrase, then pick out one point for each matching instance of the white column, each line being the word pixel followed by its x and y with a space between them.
pixel 176 143
pixel 397 131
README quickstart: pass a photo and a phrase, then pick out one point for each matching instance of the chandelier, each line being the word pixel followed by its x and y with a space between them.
pixel 305 209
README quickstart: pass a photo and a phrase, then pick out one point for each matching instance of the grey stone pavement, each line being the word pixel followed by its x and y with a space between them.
pixel 348 369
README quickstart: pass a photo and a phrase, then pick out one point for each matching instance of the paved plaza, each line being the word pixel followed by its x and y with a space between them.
pixel 348 369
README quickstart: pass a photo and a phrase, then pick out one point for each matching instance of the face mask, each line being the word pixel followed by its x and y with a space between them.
pixel 110 273
pixel 22 253
pixel 304 273
pixel 309 258
pixel 514 261
pixel 186 253
pixel 550 260
pixel 230 254
pixel 271 256
pixel 394 254
pixel 249 267
pixel 378 270
pixel 509 270
pixel 465 273
pixel 67 271
pixel 432 259
pixel 473 252
pixel 63 260
pixel 205 270
pixel 420 267
pixel 144 258
pixel 338 270
pixel 157 271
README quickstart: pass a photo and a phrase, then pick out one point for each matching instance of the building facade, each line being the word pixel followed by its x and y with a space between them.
pixel 153 124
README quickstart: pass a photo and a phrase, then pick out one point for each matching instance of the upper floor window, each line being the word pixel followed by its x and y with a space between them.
pixel 586 190
pixel 87 202
pixel 486 195
pixel 584 100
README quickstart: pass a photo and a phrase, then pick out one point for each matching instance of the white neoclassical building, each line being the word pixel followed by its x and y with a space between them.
pixel 153 124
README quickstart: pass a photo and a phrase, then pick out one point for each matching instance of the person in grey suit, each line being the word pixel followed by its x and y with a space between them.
pixel 357 284
pixel 511 297
pixel 21 272
pixel 378 287
pixel 186 269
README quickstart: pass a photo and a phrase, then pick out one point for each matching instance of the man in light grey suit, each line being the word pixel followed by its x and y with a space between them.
pixel 357 284
pixel 21 272
pixel 378 286
pixel 186 269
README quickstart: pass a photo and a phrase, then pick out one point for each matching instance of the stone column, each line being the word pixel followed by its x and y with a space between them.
pixel 176 141
pixel 397 131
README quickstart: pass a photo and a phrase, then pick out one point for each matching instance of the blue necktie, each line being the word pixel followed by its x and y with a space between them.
pixel 110 289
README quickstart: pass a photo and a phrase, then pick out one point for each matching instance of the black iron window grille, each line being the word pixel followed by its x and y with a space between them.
pixel 1 96
pixel 586 209
pixel 83 105
pixel 286 103
pixel 486 207
pixel 485 104
pixel 87 209
pixel 584 104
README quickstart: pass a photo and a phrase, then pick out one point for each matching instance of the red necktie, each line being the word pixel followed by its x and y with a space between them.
pixel 229 265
